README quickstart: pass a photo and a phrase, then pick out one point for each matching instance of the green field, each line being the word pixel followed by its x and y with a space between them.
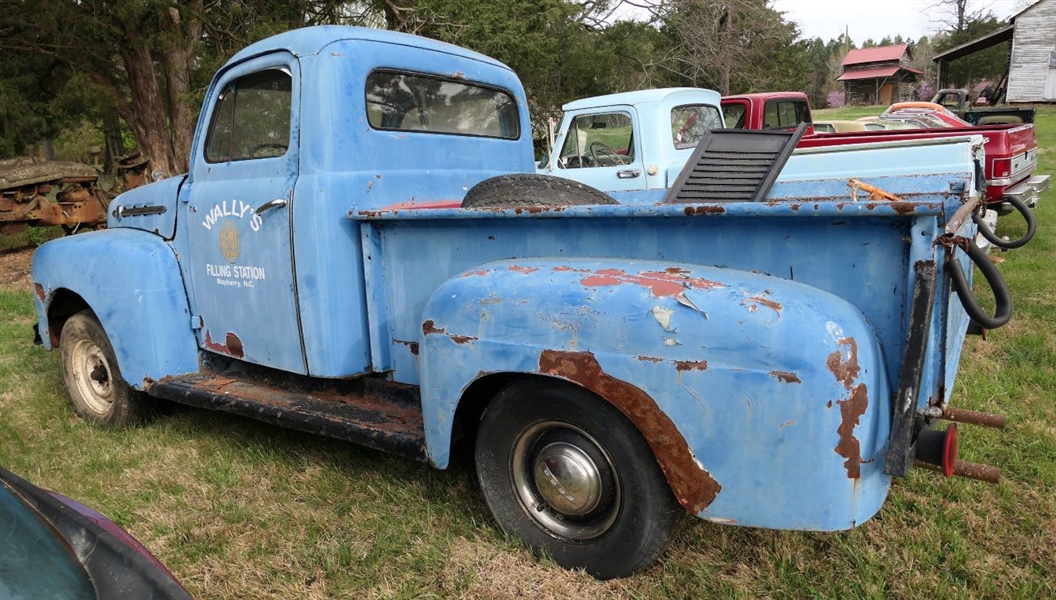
pixel 239 509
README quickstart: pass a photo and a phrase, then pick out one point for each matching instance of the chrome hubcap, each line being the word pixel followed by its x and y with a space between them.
pixel 565 480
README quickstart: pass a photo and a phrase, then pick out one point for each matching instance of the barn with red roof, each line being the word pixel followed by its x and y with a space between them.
pixel 880 75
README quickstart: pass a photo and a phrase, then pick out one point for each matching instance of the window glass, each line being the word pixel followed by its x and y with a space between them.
pixel 407 102
pixel 689 123
pixel 252 118
pixel 602 140
pixel 735 115
pixel 785 113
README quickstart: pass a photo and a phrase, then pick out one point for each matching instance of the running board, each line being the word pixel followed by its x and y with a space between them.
pixel 368 411
pixel 734 165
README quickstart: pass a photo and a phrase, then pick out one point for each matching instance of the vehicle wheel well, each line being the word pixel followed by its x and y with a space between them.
pixel 472 404
pixel 64 304
pixel 479 395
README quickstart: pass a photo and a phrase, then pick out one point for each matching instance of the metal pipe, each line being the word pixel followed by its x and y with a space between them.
pixel 973 417
pixel 962 213
pixel 963 468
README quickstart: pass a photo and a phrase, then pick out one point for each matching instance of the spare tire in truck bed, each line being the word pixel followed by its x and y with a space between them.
pixel 523 190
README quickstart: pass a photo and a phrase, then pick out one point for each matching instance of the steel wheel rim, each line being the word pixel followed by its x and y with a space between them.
pixel 92 376
pixel 565 481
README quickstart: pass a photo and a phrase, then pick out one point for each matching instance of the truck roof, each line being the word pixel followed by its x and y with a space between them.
pixel 768 96
pixel 312 40
pixel 644 97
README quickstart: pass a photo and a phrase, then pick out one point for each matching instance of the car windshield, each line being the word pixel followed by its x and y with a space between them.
pixel 37 563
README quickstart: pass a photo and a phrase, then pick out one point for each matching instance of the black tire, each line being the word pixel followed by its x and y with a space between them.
pixel 615 526
pixel 93 380
pixel 529 190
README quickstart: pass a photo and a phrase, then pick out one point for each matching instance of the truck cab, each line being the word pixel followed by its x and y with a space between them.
pixel 767 110
pixel 632 140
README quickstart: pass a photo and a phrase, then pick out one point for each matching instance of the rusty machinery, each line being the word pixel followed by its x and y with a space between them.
pixel 34 191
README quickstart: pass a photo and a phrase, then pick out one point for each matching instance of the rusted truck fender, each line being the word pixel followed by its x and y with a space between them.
pixel 764 400
pixel 136 292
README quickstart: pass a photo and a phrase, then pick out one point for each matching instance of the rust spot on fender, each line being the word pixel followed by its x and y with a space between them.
pixel 848 447
pixel 429 327
pixel 651 359
pixel 847 370
pixel 692 485
pixel 525 270
pixel 691 365
pixel 703 210
pixel 753 303
pixel 234 345
pixel 785 376
pixel 659 283
pixel 475 273
pixel 40 291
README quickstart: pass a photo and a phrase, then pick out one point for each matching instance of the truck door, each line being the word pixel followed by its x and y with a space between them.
pixel 602 150
pixel 235 210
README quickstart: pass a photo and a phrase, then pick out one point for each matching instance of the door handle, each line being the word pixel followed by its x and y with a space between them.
pixel 270 204
pixel 628 173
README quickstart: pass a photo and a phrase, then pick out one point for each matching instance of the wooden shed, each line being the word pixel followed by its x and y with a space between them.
pixel 880 75
pixel 1032 68
pixel 1030 74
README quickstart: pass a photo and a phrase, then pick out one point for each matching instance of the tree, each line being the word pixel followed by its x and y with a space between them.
pixel 730 44
pixel 988 64
pixel 151 58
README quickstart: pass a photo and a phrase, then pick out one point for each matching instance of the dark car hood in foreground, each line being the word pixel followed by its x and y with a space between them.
pixel 50 549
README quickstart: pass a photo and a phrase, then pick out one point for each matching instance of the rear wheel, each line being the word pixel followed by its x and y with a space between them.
pixel 93 381
pixel 568 473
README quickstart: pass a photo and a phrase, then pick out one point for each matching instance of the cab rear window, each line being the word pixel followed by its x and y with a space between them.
pixel 400 101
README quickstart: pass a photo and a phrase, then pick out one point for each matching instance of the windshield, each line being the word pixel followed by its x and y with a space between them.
pixel 37 561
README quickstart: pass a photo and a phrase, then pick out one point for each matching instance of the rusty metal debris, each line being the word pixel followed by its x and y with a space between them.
pixel 34 191
pixel 874 192
pixel 963 468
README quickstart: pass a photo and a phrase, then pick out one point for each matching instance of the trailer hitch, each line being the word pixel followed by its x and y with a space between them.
pixel 937 451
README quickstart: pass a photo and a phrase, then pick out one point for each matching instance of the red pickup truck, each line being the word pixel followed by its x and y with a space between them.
pixel 1011 149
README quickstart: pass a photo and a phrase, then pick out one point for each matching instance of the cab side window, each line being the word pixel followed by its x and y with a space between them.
pixel 602 140
pixel 785 114
pixel 735 115
pixel 251 118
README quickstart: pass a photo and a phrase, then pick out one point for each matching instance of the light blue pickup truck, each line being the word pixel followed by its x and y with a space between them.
pixel 361 249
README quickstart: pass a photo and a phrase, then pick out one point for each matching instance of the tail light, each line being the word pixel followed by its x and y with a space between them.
pixel 1002 168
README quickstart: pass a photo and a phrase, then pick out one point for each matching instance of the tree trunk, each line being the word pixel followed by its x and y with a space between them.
pixel 177 61
pixel 148 119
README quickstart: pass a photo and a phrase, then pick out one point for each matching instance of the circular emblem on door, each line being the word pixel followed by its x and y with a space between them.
pixel 230 246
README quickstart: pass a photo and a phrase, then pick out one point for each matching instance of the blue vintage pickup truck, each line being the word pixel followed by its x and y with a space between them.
pixel 362 250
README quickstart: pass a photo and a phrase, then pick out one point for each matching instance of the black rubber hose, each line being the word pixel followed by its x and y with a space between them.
pixel 1028 216
pixel 1002 297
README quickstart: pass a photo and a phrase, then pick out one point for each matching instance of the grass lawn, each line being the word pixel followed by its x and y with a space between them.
pixel 238 509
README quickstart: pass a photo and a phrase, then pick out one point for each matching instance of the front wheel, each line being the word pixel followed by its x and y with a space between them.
pixel 567 473
pixel 89 368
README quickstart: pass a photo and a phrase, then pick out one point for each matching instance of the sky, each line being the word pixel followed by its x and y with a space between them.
pixel 876 19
